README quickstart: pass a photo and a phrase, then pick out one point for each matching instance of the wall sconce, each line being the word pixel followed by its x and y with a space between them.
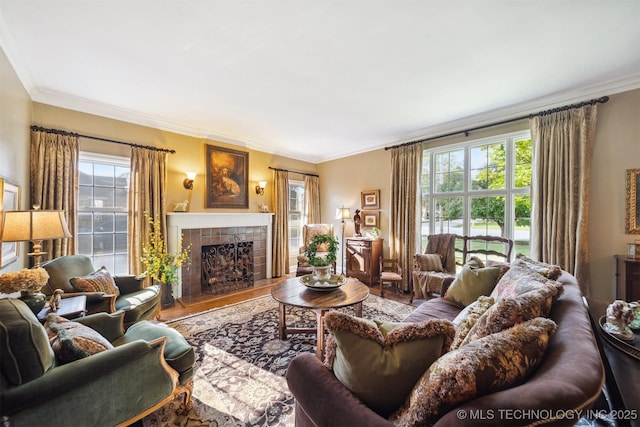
pixel 188 181
pixel 260 187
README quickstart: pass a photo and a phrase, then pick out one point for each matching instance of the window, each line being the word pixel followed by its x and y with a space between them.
pixel 102 210
pixel 480 187
pixel 296 219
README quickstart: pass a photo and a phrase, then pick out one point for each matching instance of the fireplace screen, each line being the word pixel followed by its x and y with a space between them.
pixel 227 267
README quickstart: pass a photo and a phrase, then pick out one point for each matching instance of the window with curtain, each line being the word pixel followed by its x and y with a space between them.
pixel 103 185
pixel 479 187
pixel 296 219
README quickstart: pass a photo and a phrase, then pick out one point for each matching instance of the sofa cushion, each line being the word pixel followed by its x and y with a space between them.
pixel 429 262
pixel 549 271
pixel 490 364
pixel 24 345
pixel 99 281
pixel 72 340
pixel 380 362
pixel 472 281
pixel 520 278
pixel 468 317
pixel 507 312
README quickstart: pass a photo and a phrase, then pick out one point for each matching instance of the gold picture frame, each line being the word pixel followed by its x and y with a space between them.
pixel 9 201
pixel 227 178
pixel 370 219
pixel 632 223
pixel 370 199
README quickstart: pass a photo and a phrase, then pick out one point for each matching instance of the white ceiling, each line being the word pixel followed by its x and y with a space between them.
pixel 319 80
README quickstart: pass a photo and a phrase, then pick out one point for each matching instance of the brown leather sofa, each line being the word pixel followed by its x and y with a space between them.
pixel 569 379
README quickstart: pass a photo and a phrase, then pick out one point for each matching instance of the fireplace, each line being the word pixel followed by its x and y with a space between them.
pixel 227 267
pixel 204 230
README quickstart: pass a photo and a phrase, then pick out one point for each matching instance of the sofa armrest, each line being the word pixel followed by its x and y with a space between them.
pixel 64 392
pixel 128 283
pixel 322 400
pixel 109 325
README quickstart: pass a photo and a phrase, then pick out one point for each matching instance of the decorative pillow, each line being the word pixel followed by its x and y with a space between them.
pixel 381 361
pixel 488 365
pixel 473 280
pixel 468 317
pixel 549 271
pixel 72 340
pixel 429 262
pixel 520 279
pixel 100 281
pixel 507 312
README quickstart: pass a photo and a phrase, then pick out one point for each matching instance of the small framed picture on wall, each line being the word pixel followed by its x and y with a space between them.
pixel 370 199
pixel 370 219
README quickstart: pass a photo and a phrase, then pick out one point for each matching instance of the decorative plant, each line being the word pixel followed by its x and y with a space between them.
pixel 161 265
pixel 325 243
pixel 27 280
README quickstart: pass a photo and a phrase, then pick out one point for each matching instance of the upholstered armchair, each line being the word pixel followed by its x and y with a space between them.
pixel 93 374
pixel 76 275
pixel 308 231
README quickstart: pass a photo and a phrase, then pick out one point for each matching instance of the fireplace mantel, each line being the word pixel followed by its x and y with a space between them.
pixel 179 221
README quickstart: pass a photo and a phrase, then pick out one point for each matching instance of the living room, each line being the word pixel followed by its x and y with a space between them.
pixel 342 179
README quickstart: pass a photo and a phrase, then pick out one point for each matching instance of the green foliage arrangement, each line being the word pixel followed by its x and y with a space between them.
pixel 160 265
pixel 331 244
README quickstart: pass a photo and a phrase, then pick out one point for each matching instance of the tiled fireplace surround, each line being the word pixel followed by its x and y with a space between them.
pixel 203 229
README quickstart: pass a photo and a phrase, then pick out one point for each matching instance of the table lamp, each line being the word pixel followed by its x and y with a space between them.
pixel 34 226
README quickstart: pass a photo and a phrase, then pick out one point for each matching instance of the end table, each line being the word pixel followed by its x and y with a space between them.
pixel 70 308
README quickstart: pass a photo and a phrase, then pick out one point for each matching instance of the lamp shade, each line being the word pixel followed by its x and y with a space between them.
pixel 343 213
pixel 24 226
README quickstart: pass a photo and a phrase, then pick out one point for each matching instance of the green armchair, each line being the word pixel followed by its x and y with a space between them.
pixel 149 366
pixel 137 302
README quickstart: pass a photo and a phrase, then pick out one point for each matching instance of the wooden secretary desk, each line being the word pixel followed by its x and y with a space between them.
pixel 628 278
pixel 363 257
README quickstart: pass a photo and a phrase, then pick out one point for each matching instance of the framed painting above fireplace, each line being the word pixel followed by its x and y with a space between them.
pixel 227 178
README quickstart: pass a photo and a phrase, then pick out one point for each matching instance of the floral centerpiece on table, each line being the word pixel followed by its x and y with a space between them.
pixel 159 263
pixel 25 281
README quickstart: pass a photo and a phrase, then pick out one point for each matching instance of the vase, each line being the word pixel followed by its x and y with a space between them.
pixel 321 274
pixel 167 300
pixel 35 300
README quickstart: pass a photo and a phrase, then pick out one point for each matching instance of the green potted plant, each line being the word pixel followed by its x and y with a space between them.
pixel 160 265
pixel 321 252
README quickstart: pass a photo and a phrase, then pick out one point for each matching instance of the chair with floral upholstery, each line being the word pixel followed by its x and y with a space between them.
pixel 308 231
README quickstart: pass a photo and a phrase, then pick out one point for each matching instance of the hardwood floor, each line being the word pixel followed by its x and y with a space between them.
pixel 185 307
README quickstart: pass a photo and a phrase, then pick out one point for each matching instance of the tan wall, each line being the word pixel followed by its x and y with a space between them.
pixel 15 117
pixel 189 156
pixel 617 149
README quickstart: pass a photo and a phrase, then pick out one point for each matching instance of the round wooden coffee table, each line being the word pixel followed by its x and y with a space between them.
pixel 295 293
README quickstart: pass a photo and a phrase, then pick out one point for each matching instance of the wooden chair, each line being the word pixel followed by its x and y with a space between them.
pixel 390 272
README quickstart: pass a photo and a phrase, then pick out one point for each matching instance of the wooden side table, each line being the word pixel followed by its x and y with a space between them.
pixel 70 308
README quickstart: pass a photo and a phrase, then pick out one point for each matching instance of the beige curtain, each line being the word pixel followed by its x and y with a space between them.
pixel 147 190
pixel 405 177
pixel 54 183
pixel 312 199
pixel 562 147
pixel 280 264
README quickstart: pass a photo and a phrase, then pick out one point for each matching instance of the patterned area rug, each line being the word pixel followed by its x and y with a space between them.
pixel 241 363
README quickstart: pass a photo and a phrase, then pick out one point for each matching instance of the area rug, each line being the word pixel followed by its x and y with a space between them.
pixel 241 363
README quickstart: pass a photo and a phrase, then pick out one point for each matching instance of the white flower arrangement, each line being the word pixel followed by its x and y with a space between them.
pixel 25 280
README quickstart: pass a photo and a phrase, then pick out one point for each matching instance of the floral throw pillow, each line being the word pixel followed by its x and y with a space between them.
pixel 380 362
pixel 510 311
pixel 549 271
pixel 72 340
pixel 520 279
pixel 468 317
pixel 100 281
pixel 488 365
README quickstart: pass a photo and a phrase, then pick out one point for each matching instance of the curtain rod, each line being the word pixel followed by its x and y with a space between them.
pixel 601 100
pixel 64 132
pixel 301 173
